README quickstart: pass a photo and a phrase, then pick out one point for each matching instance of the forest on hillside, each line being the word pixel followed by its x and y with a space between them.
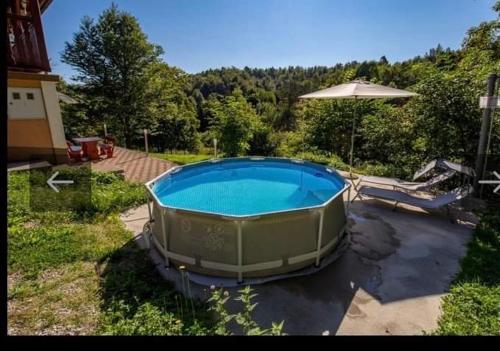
pixel 123 82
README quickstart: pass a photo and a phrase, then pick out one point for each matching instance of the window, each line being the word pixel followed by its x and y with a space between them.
pixel 16 96
pixel 30 96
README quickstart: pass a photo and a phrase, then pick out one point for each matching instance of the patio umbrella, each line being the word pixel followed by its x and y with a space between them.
pixel 357 89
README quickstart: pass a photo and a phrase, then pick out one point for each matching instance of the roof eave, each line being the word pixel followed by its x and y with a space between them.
pixel 44 4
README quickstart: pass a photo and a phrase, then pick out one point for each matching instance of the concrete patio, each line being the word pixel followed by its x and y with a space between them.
pixel 390 280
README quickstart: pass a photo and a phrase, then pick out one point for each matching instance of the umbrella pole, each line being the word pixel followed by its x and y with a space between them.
pixel 351 155
pixel 352 147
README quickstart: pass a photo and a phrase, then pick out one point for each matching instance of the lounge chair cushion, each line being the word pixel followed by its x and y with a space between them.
pixel 398 183
pixel 398 196
pixel 387 181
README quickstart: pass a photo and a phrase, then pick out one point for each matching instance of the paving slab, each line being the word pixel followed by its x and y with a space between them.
pixel 136 166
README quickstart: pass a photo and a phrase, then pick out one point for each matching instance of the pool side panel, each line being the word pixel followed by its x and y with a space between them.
pixel 334 221
pixel 273 244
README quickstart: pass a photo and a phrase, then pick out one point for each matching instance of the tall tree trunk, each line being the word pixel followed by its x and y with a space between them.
pixel 128 140
pixel 127 132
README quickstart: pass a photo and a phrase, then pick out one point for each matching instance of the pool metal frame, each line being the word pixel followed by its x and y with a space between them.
pixel 240 269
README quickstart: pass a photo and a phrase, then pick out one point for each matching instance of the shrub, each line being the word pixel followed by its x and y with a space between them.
pixel 288 144
pixel 176 133
pixel 472 307
pixel 378 169
pixel 244 318
pixel 262 143
pixel 147 320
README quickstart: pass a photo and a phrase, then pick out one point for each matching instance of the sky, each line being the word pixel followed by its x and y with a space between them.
pixel 200 34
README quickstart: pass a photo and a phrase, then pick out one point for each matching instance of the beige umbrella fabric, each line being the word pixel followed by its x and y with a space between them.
pixel 357 89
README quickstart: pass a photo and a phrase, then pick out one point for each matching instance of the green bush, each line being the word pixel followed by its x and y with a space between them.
pixel 243 319
pixel 378 169
pixel 324 159
pixel 147 320
pixel 262 144
pixel 314 157
pixel 288 144
pixel 471 309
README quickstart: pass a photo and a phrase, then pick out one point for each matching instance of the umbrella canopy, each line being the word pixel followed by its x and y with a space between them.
pixel 358 89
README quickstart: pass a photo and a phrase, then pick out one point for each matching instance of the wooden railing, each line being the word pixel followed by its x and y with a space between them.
pixel 26 50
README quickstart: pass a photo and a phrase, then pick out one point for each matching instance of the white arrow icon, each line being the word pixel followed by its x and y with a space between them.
pixel 492 182
pixel 52 181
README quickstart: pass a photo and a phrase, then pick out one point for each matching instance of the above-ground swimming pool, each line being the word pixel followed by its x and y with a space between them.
pixel 247 217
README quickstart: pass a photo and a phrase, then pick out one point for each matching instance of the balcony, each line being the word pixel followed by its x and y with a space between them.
pixel 26 49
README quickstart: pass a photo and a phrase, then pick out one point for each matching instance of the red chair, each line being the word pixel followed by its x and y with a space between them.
pixel 74 152
pixel 108 147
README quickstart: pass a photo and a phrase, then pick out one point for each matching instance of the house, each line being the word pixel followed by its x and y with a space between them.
pixel 35 128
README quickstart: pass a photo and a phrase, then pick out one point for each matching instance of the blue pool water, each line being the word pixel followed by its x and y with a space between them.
pixel 246 187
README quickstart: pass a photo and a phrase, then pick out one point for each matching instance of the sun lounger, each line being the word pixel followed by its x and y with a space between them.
pixel 409 186
pixel 428 204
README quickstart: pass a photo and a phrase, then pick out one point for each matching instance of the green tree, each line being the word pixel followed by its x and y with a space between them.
pixel 233 123
pixel 112 57
pixel 447 116
pixel 77 120
pixel 328 124
pixel 174 124
pixel 388 137
pixel 262 142
pixel 176 133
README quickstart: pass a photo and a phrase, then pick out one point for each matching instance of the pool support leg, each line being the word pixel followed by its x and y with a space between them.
pixel 240 251
pixel 164 232
pixel 320 236
pixel 348 200
pixel 149 210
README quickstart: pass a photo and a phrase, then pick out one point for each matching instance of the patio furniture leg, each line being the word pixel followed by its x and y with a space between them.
pixel 354 185
pixel 450 217
pixel 395 206
pixel 354 198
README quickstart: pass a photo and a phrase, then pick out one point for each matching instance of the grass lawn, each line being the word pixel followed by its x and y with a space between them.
pixel 473 305
pixel 181 159
pixel 80 273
